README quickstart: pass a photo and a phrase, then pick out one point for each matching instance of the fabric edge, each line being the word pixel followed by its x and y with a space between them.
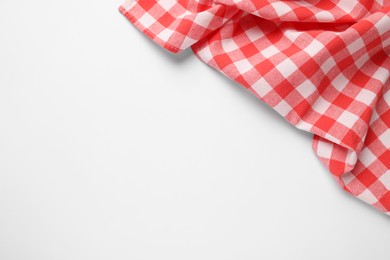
pixel 131 18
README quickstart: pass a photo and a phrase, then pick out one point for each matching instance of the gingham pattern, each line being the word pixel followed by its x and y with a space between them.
pixel 323 65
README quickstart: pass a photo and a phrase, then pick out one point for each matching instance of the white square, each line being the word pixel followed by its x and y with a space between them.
pixel 306 88
pixel 165 34
pixel 205 54
pixel 356 45
pixel 374 116
pixel 304 126
pixel 321 105
pixel 328 65
pixel 381 74
pixel 348 119
pixel 324 149
pixel 385 179
pixel 281 8
pixel 331 138
pixel 286 67
pixel 340 82
pixel 347 5
pixel 243 66
pixel 204 18
pixel 186 13
pixel 188 41
pixel 368 197
pixel 324 16
pixel 351 157
pixel 292 35
pixel 261 87
pixel 283 108
pixel 269 51
pixel 347 178
pixel 254 33
pixel 128 4
pixel 385 138
pixel 367 157
pixel 147 20
pixel 229 45
pixel 365 96
pixel 167 4
pixel 314 47
pixel 383 24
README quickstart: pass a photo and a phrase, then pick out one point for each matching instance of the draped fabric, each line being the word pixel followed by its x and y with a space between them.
pixel 323 65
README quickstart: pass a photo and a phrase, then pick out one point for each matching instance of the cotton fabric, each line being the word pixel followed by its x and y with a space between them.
pixel 324 65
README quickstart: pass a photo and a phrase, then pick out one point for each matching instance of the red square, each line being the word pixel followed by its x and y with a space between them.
pixel 325 123
pixel 241 80
pixel 385 159
pixel 385 201
pixel 291 50
pixel 184 26
pixel 360 78
pixel 303 12
pixel 147 5
pixel 335 46
pixel 302 108
pixel 385 117
pixel 309 67
pixel 327 5
pixel 336 168
pixel 264 67
pixel 284 88
pixel 346 62
pixel 166 20
pixel 351 139
pixel 249 50
pixel 222 60
pixel 367 178
pixel 275 36
pixel 342 101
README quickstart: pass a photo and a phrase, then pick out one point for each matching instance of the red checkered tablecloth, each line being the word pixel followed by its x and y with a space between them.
pixel 324 65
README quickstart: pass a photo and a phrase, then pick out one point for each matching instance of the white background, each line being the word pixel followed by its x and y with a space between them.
pixel 112 148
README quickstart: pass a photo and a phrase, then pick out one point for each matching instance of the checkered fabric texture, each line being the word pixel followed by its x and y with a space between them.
pixel 324 65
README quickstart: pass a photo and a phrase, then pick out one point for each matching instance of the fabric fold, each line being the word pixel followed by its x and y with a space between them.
pixel 185 24
pixel 322 65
